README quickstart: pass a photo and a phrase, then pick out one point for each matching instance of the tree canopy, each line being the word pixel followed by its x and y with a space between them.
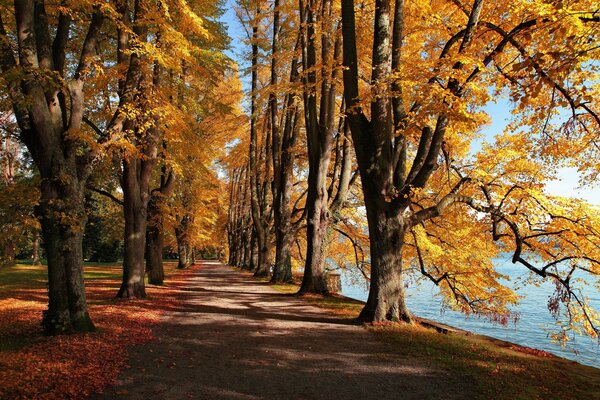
pixel 349 135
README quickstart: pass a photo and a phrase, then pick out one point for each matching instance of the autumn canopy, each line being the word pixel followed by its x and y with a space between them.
pixel 350 135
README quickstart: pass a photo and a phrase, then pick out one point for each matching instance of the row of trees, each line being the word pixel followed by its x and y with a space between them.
pixel 363 117
pixel 117 98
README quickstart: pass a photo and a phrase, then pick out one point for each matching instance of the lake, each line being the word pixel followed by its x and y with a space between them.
pixel 531 329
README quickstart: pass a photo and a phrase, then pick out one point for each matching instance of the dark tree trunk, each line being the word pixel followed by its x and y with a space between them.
pixel 382 157
pixel 319 121
pixel 253 265
pixel 193 256
pixel 283 167
pixel 317 224
pixel 183 253
pixel 135 207
pixel 248 250
pixel 155 227
pixel 263 268
pixel 62 160
pixel 183 246
pixel 386 235
pixel 62 217
pixel 258 203
pixel 282 271
pixel 154 245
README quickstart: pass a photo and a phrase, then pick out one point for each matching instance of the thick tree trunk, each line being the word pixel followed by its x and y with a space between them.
pixel 282 271
pixel 62 217
pixel 258 203
pixel 154 246
pixel 183 252
pixel 318 220
pixel 319 121
pixel 247 251
pixel 192 256
pixel 155 227
pixel 253 265
pixel 135 205
pixel 386 301
pixel 263 268
pixel 183 247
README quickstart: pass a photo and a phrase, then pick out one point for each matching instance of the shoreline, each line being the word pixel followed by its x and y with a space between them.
pixel 446 329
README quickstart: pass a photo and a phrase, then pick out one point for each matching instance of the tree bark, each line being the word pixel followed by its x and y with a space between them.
pixel 64 162
pixel 381 154
pixel 261 227
pixel 62 216
pixel 183 246
pixel 154 243
pixel 140 86
pixel 135 208
pixel 386 235
pixel 35 257
pixel 283 168
pixel 155 230
pixel 319 121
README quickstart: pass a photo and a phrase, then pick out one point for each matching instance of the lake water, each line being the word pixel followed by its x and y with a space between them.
pixel 530 330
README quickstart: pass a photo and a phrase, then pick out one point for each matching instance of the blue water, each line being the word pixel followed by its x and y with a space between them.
pixel 531 329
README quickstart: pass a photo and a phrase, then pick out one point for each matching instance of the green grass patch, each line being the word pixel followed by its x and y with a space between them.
pixel 22 275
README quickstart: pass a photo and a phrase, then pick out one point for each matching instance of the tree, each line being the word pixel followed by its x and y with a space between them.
pixel 48 96
pixel 420 110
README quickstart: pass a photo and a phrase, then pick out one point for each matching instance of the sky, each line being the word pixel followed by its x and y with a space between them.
pixel 567 182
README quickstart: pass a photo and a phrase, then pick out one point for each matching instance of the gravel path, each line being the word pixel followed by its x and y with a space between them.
pixel 235 338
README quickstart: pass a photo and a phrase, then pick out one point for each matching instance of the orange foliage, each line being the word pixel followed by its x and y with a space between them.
pixel 34 366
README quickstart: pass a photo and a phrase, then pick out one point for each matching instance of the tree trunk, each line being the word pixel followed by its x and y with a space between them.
pixel 283 168
pixel 282 271
pixel 253 266
pixel 135 205
pixel 263 267
pixel 62 217
pixel 248 250
pixel 381 156
pixel 317 224
pixel 183 247
pixel 35 257
pixel 319 120
pixel 154 244
pixel 155 227
pixel 259 216
pixel 386 235
pixel 182 251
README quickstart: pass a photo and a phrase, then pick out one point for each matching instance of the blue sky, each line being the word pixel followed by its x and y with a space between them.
pixel 567 182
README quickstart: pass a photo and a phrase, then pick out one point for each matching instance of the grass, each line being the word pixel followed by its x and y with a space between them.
pixel 485 367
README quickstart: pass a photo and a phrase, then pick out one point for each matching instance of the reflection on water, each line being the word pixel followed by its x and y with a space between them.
pixel 530 330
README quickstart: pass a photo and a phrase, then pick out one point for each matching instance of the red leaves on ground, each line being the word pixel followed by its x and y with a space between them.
pixel 531 351
pixel 34 366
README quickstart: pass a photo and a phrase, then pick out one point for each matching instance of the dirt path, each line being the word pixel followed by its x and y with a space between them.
pixel 236 338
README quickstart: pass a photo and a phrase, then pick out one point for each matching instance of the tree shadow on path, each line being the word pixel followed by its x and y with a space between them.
pixel 231 337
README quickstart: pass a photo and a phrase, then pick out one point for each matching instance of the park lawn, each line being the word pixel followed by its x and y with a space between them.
pixel 35 366
pixel 489 368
